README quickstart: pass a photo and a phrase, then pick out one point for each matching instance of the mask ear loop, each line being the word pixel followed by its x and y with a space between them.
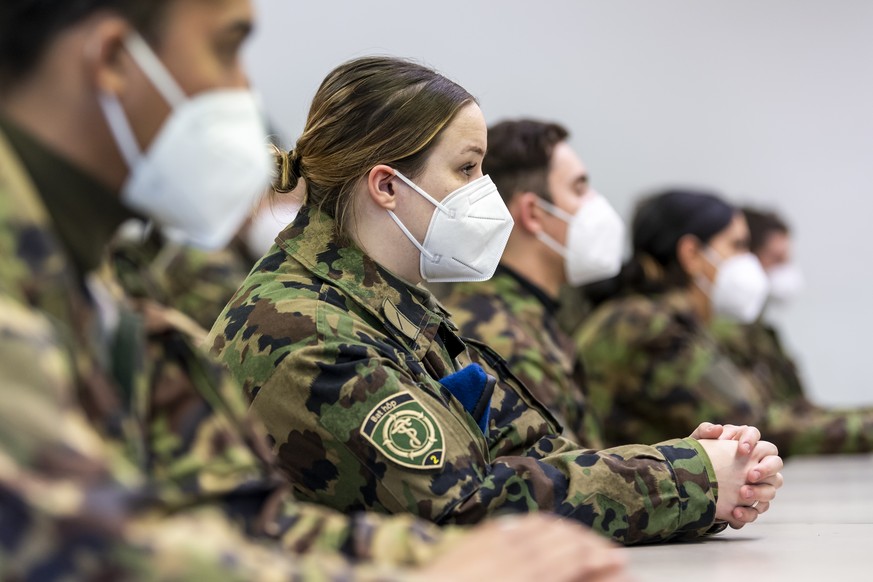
pixel 702 282
pixel 163 81
pixel 712 256
pixel 117 119
pixel 120 127
pixel 155 70
pixel 560 214
pixel 425 195
pixel 427 254
pixel 431 257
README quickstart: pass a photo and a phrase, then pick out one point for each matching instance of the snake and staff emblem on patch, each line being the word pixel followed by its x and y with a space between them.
pixel 405 432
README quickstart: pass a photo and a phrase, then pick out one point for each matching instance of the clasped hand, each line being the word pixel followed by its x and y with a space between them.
pixel 747 470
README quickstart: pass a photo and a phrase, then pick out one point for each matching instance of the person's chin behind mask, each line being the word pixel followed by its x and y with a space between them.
pixel 740 288
pixel 207 165
pixel 595 239
pixel 467 233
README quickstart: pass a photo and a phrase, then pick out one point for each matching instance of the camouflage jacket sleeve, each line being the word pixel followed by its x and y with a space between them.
pixel 204 440
pixel 368 537
pixel 654 372
pixel 757 350
pixel 72 507
pixel 197 283
pixel 203 443
pixel 792 421
pixel 356 427
pixel 812 430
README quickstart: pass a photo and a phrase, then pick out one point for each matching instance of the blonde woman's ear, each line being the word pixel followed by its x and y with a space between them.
pixel 381 184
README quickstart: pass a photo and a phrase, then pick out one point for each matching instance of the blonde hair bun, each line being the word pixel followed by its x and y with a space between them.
pixel 287 169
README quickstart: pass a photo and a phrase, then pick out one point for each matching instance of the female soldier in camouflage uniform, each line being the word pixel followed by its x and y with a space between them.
pixel 367 391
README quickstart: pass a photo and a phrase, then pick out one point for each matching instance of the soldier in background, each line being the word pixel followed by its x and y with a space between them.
pixel 125 452
pixel 758 349
pixel 654 364
pixel 564 232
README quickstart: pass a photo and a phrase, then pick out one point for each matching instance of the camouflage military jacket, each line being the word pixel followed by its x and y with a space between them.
pixel 72 508
pixel 792 420
pixel 135 410
pixel 198 283
pixel 516 319
pixel 342 361
pixel 654 371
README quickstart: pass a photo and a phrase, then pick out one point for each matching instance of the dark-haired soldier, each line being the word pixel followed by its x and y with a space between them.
pixel 564 232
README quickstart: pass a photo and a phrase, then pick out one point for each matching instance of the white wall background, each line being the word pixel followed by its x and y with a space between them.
pixel 769 102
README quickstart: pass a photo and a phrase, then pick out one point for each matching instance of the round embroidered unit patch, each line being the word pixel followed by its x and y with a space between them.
pixel 405 432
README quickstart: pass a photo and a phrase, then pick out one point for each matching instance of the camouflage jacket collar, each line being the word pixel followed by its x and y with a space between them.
pixel 84 212
pixel 678 304
pixel 525 287
pixel 34 268
pixel 527 308
pixel 411 313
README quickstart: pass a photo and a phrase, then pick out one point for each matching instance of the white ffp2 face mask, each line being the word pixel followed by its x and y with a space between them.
pixel 741 287
pixel 207 165
pixel 786 282
pixel 595 239
pixel 467 233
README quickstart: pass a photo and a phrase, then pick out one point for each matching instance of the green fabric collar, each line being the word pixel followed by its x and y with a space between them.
pixel 84 212
pixel 677 301
pixel 551 305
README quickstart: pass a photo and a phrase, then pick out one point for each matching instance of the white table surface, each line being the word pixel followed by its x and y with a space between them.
pixel 819 528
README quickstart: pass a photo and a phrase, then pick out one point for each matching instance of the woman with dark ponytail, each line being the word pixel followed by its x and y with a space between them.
pixel 652 366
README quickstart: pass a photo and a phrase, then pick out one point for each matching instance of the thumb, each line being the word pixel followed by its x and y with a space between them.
pixel 707 430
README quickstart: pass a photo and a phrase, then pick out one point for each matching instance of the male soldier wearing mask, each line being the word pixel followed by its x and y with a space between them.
pixel 123 451
pixel 564 232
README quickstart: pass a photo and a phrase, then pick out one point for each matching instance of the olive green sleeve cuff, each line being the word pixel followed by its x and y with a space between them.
pixel 696 486
pixel 707 465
